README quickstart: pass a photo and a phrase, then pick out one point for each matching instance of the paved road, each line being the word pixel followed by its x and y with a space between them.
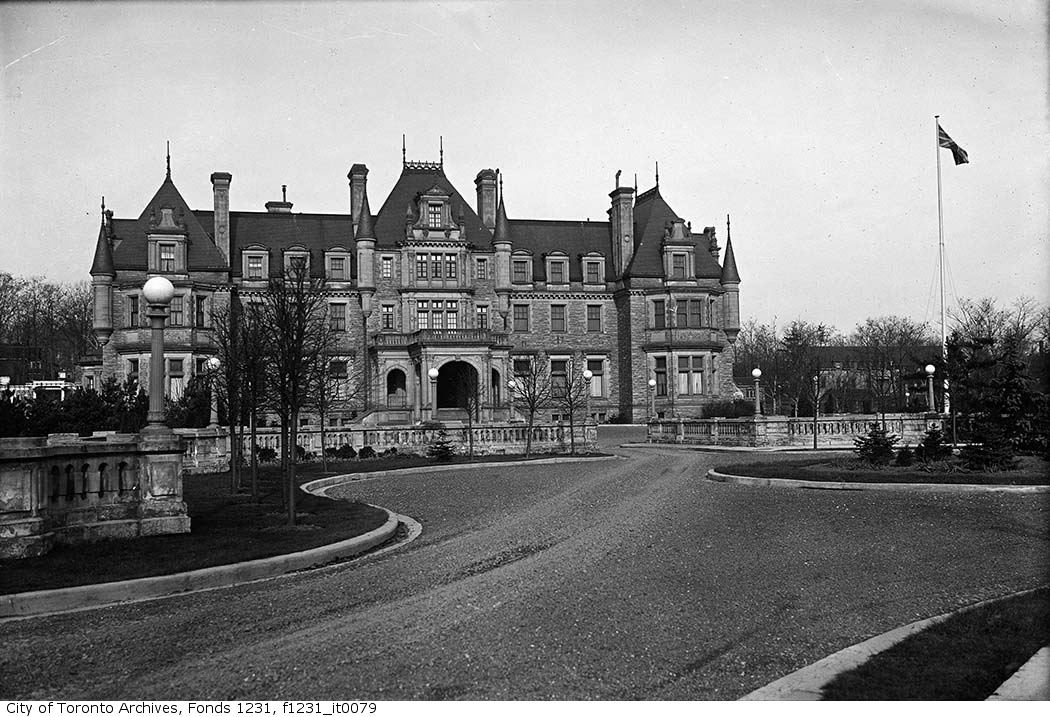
pixel 630 578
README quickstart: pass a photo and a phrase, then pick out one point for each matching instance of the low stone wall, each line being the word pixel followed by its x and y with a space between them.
pixel 64 489
pixel 488 440
pixel 784 431
pixel 204 450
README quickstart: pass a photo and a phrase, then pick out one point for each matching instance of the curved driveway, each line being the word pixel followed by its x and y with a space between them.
pixel 620 579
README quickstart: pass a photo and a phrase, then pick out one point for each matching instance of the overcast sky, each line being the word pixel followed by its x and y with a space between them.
pixel 810 123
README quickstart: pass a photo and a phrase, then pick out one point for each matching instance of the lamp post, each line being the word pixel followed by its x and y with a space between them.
pixel 652 398
pixel 587 376
pixel 511 388
pixel 158 293
pixel 757 374
pixel 433 375
pixel 816 406
pixel 212 365
pixel 930 370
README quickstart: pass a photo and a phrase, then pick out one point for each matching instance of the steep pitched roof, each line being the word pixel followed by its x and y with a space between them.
pixel 573 238
pixel 130 252
pixel 103 262
pixel 390 222
pixel 729 272
pixel 277 231
pixel 364 227
pixel 651 215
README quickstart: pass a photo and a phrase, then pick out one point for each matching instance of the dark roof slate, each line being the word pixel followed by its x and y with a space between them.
pixel 651 215
pixel 277 231
pixel 572 238
pixel 390 222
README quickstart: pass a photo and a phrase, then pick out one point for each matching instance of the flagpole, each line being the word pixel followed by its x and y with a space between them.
pixel 940 252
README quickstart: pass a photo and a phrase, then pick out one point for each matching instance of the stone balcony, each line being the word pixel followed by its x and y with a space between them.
pixel 442 337
pixel 682 337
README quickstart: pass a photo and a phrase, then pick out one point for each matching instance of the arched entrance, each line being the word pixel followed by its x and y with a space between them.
pixel 396 395
pixel 457 388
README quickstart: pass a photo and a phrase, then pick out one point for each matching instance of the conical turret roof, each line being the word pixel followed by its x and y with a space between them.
pixel 103 263
pixel 502 232
pixel 729 272
pixel 364 226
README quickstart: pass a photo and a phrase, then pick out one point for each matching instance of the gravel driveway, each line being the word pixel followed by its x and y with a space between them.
pixel 621 579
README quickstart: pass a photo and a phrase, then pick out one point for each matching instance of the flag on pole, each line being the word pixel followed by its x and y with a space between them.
pixel 947 142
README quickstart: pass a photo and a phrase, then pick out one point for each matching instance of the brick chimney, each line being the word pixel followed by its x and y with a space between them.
pixel 358 177
pixel 220 183
pixel 486 184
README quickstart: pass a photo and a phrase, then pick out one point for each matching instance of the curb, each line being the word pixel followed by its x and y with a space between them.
pixel 321 485
pixel 714 475
pixel 1030 682
pixel 701 448
pixel 84 597
pixel 808 682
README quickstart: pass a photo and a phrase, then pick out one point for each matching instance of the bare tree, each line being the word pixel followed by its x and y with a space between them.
pixel 531 388
pixel 800 358
pixel 758 346
pixel 569 391
pixel 891 347
pixel 336 381
pixel 294 307
pixel 469 395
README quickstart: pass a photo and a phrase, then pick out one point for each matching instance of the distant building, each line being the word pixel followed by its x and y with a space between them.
pixel 432 282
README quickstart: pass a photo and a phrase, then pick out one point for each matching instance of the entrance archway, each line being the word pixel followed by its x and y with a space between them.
pixel 457 387
pixel 395 389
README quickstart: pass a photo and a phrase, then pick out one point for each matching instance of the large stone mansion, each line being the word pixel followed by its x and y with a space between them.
pixel 431 281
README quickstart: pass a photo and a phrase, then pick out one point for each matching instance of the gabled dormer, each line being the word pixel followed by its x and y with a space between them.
pixel 679 253
pixel 435 215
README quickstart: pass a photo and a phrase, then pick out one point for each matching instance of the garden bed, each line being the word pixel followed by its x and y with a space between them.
pixel 1030 471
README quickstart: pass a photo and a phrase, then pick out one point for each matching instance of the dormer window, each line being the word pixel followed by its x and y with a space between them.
pixel 521 271
pixel 167 258
pixel 678 264
pixel 337 264
pixel 254 267
pixel 434 215
pixel 337 268
pixel 297 262
pixel 594 270
pixel 557 271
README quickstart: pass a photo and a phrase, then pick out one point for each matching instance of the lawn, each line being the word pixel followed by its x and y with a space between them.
pixel 1032 471
pixel 966 657
pixel 226 528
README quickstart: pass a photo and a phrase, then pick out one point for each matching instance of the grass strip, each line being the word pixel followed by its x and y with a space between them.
pixel 966 657
pixel 1033 471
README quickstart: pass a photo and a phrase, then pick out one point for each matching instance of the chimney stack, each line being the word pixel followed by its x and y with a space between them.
pixel 283 206
pixel 486 184
pixel 358 177
pixel 220 182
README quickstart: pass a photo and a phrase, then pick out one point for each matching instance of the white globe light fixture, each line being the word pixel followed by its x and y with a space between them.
pixel 756 373
pixel 930 370
pixel 433 373
pixel 158 293
pixel 652 383
pixel 588 375
pixel 213 363
pixel 158 290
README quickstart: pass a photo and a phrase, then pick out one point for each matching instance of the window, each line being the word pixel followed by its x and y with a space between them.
pixel 558 318
pixel 133 310
pixel 659 314
pixel 423 314
pixel 597 369
pixel 695 307
pixel 386 267
pixel 451 314
pixel 592 272
pixel 167 257
pixel 450 266
pixel 200 365
pixel 337 369
pixel 255 266
pixel 521 318
pixel 678 266
pixel 337 317
pixel 421 266
pixel 522 367
pixel 437 314
pixel 198 311
pixel 481 317
pixel 557 273
pixel 387 314
pixel 559 377
pixel 681 314
pixel 297 263
pixel 712 313
pixel 691 375
pixel 435 266
pixel 175 378
pixel 175 318
pixel 133 371
pixel 434 214
pixel 660 374
pixel 337 268
pixel 481 269
pixel 594 317
pixel 520 273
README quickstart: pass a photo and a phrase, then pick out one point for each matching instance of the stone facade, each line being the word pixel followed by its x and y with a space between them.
pixel 430 282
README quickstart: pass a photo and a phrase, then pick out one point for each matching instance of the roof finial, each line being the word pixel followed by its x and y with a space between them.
pixel 636 182
pixel 403 159
pixel 727 227
pixel 441 150
pixel 284 192
pixel 499 176
pixel 103 210
pixel 168 143
pixel 657 175
pixel 618 173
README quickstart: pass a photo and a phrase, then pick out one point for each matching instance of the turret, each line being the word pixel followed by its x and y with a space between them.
pixel 366 244
pixel 102 275
pixel 731 283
